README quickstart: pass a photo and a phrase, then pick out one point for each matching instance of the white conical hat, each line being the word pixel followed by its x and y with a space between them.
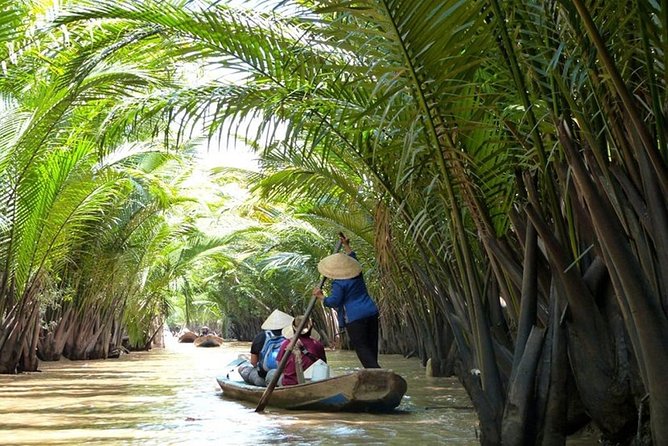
pixel 339 266
pixel 277 320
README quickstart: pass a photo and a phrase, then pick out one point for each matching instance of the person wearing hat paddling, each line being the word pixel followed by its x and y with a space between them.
pixel 273 326
pixel 349 292
pixel 305 353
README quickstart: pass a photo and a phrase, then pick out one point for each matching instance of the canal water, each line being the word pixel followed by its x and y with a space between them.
pixel 170 397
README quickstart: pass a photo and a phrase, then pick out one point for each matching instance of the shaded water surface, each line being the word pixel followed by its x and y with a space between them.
pixel 170 397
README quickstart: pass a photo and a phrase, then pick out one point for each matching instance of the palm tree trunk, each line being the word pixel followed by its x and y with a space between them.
pixel 519 402
pixel 642 310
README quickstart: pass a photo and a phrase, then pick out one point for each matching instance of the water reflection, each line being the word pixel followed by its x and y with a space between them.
pixel 170 397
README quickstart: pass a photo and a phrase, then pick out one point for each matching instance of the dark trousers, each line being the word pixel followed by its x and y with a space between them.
pixel 363 334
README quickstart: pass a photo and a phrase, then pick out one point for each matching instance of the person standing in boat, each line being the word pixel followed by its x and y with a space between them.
pixel 305 353
pixel 349 292
pixel 254 373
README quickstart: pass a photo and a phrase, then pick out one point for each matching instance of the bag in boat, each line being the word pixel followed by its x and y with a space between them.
pixel 269 352
pixel 318 371
pixel 233 368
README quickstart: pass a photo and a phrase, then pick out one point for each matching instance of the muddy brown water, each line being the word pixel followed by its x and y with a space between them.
pixel 170 397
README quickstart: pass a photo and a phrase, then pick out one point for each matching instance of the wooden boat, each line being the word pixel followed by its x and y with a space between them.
pixel 366 390
pixel 209 340
pixel 188 336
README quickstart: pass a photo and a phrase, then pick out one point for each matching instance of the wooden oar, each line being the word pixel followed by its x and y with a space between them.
pixel 284 360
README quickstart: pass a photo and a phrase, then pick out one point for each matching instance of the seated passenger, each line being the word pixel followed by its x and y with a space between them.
pixel 306 352
pixel 264 349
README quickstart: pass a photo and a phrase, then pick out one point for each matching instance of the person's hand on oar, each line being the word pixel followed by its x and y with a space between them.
pixel 345 241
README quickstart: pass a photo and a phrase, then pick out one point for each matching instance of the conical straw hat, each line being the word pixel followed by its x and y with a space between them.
pixel 289 331
pixel 277 320
pixel 339 266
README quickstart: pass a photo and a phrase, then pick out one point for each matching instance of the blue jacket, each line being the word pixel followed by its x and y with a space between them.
pixel 352 295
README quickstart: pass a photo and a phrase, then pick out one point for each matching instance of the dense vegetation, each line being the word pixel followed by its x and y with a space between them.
pixel 500 166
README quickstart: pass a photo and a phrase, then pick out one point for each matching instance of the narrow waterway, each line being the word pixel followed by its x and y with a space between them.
pixel 170 397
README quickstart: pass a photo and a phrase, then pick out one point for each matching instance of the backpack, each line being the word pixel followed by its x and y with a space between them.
pixel 269 352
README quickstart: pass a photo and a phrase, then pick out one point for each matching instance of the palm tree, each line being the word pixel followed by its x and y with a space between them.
pixel 67 189
pixel 509 160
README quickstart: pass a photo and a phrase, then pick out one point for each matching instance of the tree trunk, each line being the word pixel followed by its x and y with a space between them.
pixel 488 416
pixel 28 361
pixel 52 340
pixel 83 336
pixel 16 329
pixel 519 402
pixel 556 412
pixel 640 304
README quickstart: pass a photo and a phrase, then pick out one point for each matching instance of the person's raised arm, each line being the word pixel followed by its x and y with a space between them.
pixel 345 241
